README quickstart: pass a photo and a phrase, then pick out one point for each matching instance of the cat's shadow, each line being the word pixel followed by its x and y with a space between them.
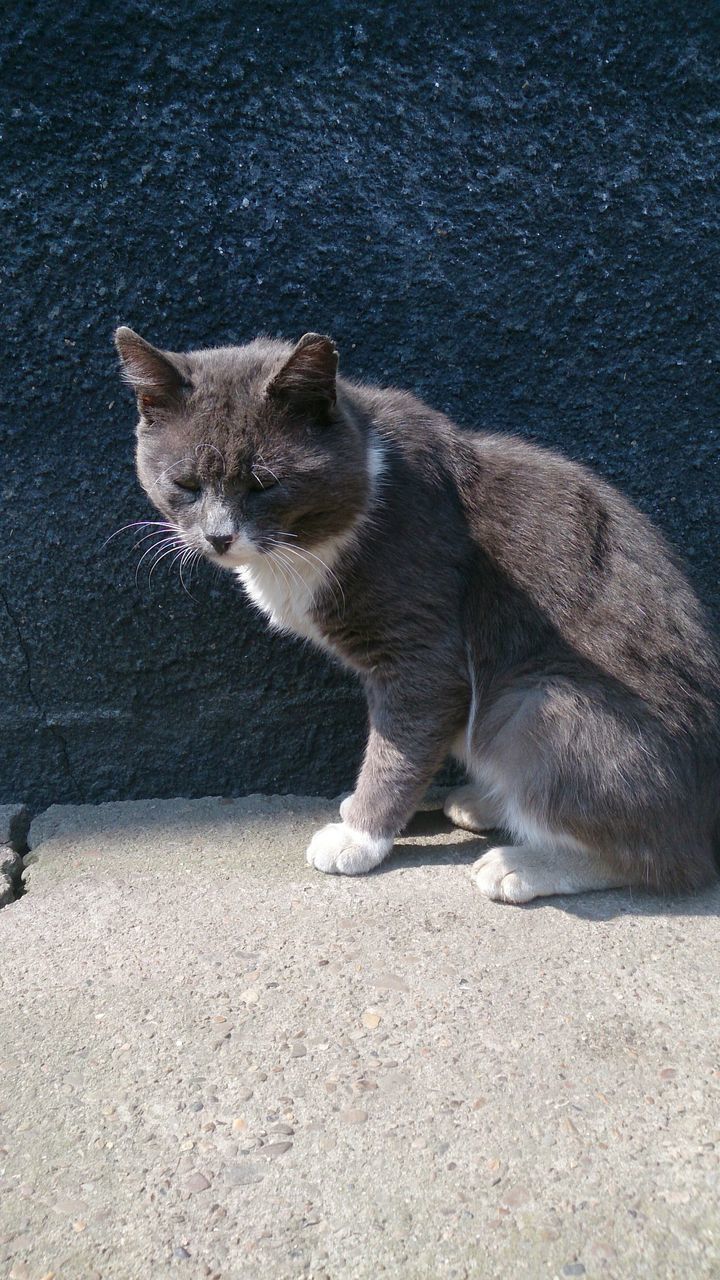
pixel 597 906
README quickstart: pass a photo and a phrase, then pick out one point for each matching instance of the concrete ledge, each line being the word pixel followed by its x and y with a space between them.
pixel 224 1063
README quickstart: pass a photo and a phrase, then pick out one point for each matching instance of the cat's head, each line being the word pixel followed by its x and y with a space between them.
pixel 243 449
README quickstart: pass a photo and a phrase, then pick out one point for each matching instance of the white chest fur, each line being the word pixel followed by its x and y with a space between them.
pixel 285 585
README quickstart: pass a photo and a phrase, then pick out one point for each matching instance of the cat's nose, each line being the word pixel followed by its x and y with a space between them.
pixel 220 544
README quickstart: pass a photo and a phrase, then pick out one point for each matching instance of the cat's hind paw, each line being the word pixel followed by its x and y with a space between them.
pixel 505 875
pixel 470 808
pixel 339 849
pixel 519 873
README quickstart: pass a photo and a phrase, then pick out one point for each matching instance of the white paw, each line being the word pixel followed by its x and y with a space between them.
pixel 341 850
pixel 467 807
pixel 519 873
pixel 504 874
pixel 345 807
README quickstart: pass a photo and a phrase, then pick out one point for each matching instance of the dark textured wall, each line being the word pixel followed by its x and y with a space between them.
pixel 512 209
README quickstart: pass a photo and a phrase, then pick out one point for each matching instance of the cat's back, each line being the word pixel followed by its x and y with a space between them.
pixel 553 566
pixel 576 544
pixel 597 568
pixel 541 513
pixel 536 512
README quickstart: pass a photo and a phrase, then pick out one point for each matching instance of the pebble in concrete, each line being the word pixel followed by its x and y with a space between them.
pixel 197 1182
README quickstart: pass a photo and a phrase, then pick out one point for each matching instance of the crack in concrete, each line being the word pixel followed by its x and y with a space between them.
pixel 37 703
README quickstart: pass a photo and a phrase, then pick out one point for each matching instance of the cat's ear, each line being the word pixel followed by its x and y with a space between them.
pixel 307 379
pixel 154 375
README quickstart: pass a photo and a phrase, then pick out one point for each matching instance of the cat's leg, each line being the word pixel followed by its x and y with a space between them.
pixel 519 873
pixel 345 806
pixel 406 745
pixel 595 797
pixel 473 808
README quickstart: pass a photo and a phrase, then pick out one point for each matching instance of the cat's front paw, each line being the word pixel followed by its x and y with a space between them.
pixel 342 850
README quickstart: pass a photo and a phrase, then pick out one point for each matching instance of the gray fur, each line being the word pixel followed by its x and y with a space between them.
pixel 497 600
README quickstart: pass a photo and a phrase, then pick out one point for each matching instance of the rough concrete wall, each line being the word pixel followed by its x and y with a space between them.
pixel 511 209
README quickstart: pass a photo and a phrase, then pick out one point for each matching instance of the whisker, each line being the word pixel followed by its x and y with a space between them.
pixel 288 578
pixel 265 467
pixel 289 575
pixel 176 463
pixel 173 562
pixel 207 445
pixel 273 565
pixel 173 547
pixel 279 551
pixel 156 533
pixel 303 553
pixel 157 546
pixel 184 560
pixel 194 556
pixel 156 562
pixel 136 524
pixel 295 574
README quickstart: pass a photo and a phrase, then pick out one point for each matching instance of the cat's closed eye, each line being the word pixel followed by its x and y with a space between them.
pixel 187 486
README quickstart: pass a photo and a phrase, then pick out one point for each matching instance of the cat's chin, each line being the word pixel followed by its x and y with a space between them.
pixel 238 558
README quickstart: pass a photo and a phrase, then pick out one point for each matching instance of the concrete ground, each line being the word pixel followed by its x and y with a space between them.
pixel 217 1062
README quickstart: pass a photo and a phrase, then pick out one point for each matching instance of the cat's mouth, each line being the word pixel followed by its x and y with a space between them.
pixel 230 550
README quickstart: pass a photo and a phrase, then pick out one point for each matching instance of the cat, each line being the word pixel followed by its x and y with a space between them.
pixel 498 602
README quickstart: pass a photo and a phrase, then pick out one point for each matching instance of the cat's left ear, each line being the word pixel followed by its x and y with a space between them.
pixel 307 380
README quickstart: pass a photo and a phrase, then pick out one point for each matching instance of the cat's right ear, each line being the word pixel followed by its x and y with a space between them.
pixel 154 375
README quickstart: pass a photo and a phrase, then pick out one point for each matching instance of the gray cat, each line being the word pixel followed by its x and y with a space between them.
pixel 498 603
